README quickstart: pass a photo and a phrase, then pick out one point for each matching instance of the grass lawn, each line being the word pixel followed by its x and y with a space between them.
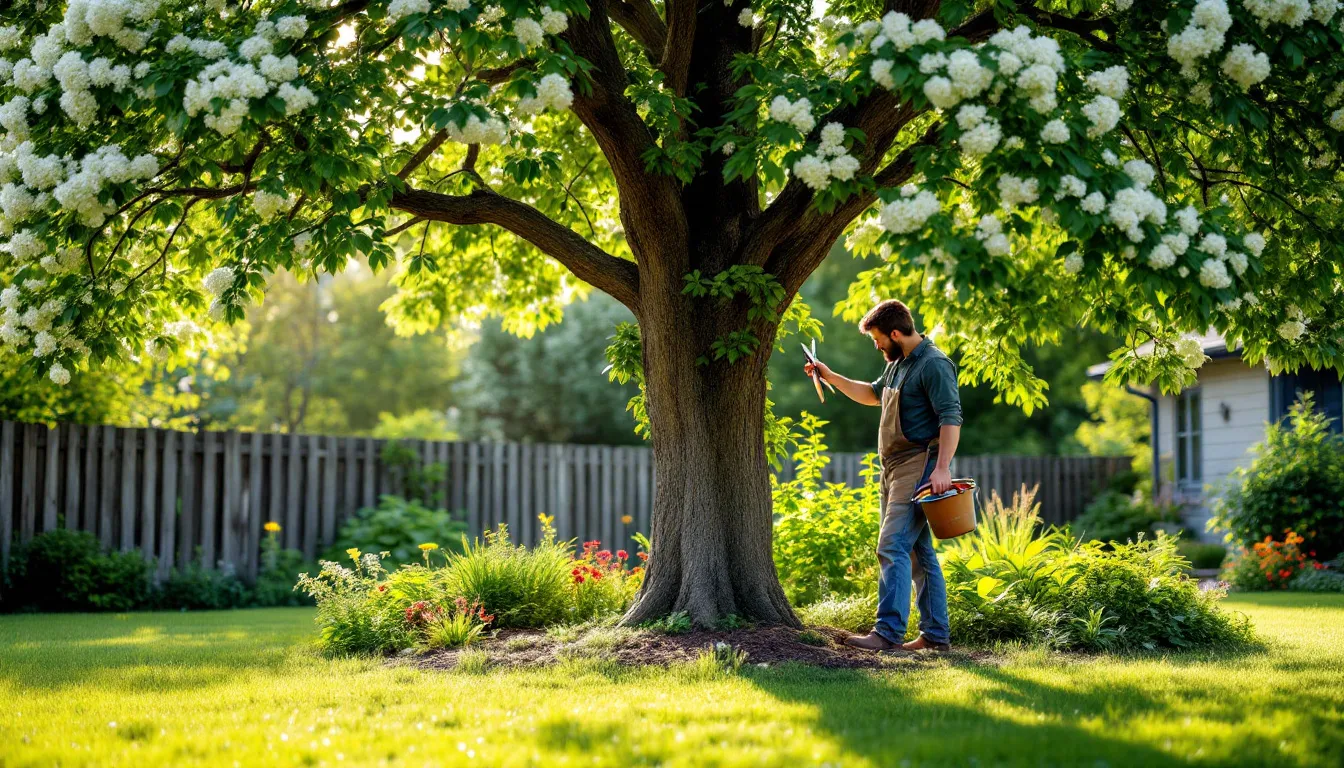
pixel 244 689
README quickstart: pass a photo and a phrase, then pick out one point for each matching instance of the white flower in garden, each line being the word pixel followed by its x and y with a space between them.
pixel 400 9
pixel 528 32
pixel 59 374
pixel 1055 132
pixel 1112 82
pixel 1202 93
pixel 291 27
pixel 1130 207
pixel 296 98
pixel 1108 157
pixel 43 344
pixel 1238 262
pixel 970 116
pixel 1292 330
pixel 491 14
pixel 1324 10
pixel 1232 305
pixel 553 91
pixel 1094 203
pixel 1178 242
pixel 1214 245
pixel 814 171
pixel 926 30
pixel 477 131
pixel 1141 172
pixel 981 140
pixel 1161 256
pixel 1014 191
pixel 798 113
pixel 1014 142
pixel 554 22
pixel 278 70
pixel 896 28
pixel 1073 263
pixel 832 139
pixel 269 205
pixel 745 18
pixel 219 280
pixel 255 47
pixel 1188 218
pixel 1104 114
pixel 843 167
pixel 1190 352
pixel 1070 186
pixel 458 5
pixel 969 77
pixel 11 37
pixel 1254 242
pixel 908 214
pixel 939 91
pixel 1251 298
pixel 1290 12
pixel 728 148
pixel 880 71
pixel 302 242
pixel 1336 119
pixel 1246 65
pixel 1213 274
pixel 932 62
pixel 24 246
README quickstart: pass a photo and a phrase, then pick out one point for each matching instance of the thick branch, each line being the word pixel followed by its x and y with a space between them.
pixel 641 20
pixel 676 62
pixel 614 276
pixel 422 154
pixel 1083 28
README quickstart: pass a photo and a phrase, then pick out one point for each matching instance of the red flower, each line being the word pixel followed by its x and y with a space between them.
pixel 587 545
pixel 382 587
pixel 574 572
pixel 1318 566
pixel 578 579
pixel 1285 573
pixel 621 554
pixel 604 556
pixel 597 575
pixel 643 556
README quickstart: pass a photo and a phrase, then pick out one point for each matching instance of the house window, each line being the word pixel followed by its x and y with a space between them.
pixel 1324 386
pixel 1189 442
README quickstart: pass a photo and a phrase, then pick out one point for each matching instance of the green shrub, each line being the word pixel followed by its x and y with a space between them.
pixel 1012 581
pixel 1295 482
pixel 397 526
pixel 1119 517
pixel 1317 580
pixel 196 588
pixel 824 535
pixel 1202 556
pixel 362 608
pixel 601 583
pixel 854 613
pixel 64 570
pixel 522 587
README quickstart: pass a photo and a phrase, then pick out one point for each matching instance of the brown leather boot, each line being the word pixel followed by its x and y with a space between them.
pixel 922 643
pixel 870 642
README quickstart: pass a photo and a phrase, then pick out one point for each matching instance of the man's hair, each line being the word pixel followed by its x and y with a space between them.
pixel 890 315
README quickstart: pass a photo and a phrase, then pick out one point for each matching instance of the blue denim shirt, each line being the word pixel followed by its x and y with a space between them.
pixel 928 402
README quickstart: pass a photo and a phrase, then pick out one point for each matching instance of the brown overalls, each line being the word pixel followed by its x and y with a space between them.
pixel 903 461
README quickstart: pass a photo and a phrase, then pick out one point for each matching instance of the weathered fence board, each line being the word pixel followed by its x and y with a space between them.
pixel 179 496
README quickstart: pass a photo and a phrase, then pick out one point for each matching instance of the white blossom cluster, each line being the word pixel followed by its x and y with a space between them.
pixel 1132 206
pixel 910 211
pixel 400 9
pixel 268 205
pixel 238 82
pixel 1205 34
pixel 553 92
pixel 1295 326
pixel 831 161
pixel 989 231
pixel 980 133
pixel 492 130
pixel 1015 191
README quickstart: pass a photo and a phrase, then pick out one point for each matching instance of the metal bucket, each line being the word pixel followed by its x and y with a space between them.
pixel 950 514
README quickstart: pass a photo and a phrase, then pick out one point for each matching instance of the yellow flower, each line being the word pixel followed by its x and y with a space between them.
pixel 428 547
pixel 627 519
pixel 353 552
pixel 272 527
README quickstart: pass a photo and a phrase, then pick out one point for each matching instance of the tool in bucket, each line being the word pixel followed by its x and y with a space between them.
pixel 817 381
pixel 951 513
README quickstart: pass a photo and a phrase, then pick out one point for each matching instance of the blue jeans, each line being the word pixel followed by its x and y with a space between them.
pixel 906 532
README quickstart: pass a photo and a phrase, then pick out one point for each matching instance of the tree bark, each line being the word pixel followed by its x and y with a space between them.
pixel 712 511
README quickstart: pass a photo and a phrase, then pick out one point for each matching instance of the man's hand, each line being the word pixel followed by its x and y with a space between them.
pixel 940 480
pixel 821 369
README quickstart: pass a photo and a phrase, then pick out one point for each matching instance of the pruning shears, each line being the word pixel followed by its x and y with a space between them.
pixel 817 381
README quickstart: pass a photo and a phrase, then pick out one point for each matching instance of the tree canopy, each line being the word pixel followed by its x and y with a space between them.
pixel 1140 168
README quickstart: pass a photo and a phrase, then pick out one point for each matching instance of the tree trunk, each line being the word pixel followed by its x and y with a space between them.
pixel 712 518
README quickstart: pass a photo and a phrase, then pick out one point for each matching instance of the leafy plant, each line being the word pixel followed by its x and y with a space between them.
pixel 1268 564
pixel 1317 579
pixel 854 613
pixel 460 625
pixel 678 623
pixel 65 570
pixel 522 587
pixel 1120 517
pixel 1202 555
pixel 194 587
pixel 397 526
pixel 279 572
pixel 602 582
pixel 824 533
pixel 1296 481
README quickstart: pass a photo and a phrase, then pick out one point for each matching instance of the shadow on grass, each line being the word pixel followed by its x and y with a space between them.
pixel 150 651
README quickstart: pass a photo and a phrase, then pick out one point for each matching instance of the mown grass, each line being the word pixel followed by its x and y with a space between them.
pixel 244 688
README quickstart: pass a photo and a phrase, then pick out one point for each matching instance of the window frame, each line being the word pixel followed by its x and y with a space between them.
pixel 1188 440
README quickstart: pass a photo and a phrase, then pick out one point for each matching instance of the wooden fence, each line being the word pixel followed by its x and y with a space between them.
pixel 171 493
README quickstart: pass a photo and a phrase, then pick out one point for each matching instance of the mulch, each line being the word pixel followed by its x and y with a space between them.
pixel 764 646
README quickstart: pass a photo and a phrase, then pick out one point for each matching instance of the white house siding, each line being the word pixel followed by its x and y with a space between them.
pixel 1245 390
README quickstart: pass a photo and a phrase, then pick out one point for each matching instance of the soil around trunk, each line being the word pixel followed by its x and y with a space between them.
pixel 764 646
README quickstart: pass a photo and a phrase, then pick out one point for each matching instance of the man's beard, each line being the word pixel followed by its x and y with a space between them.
pixel 892 353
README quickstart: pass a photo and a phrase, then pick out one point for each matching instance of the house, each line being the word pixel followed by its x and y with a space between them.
pixel 1206 431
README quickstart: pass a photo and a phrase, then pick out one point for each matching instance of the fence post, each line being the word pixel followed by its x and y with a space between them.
pixel 129 450
pixel 6 491
pixel 148 512
pixel 52 477
pixel 72 499
pixel 168 531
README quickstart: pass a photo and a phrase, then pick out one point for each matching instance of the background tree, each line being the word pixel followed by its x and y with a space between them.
pixel 1028 167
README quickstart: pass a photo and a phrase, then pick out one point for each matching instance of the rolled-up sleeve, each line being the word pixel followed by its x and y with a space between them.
pixel 941 385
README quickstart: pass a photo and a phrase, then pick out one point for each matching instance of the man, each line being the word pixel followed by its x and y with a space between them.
pixel 917 437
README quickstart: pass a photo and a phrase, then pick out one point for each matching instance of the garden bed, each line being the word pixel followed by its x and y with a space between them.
pixel 819 647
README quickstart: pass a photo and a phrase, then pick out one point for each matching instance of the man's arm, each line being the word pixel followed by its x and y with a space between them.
pixel 860 392
pixel 941 381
